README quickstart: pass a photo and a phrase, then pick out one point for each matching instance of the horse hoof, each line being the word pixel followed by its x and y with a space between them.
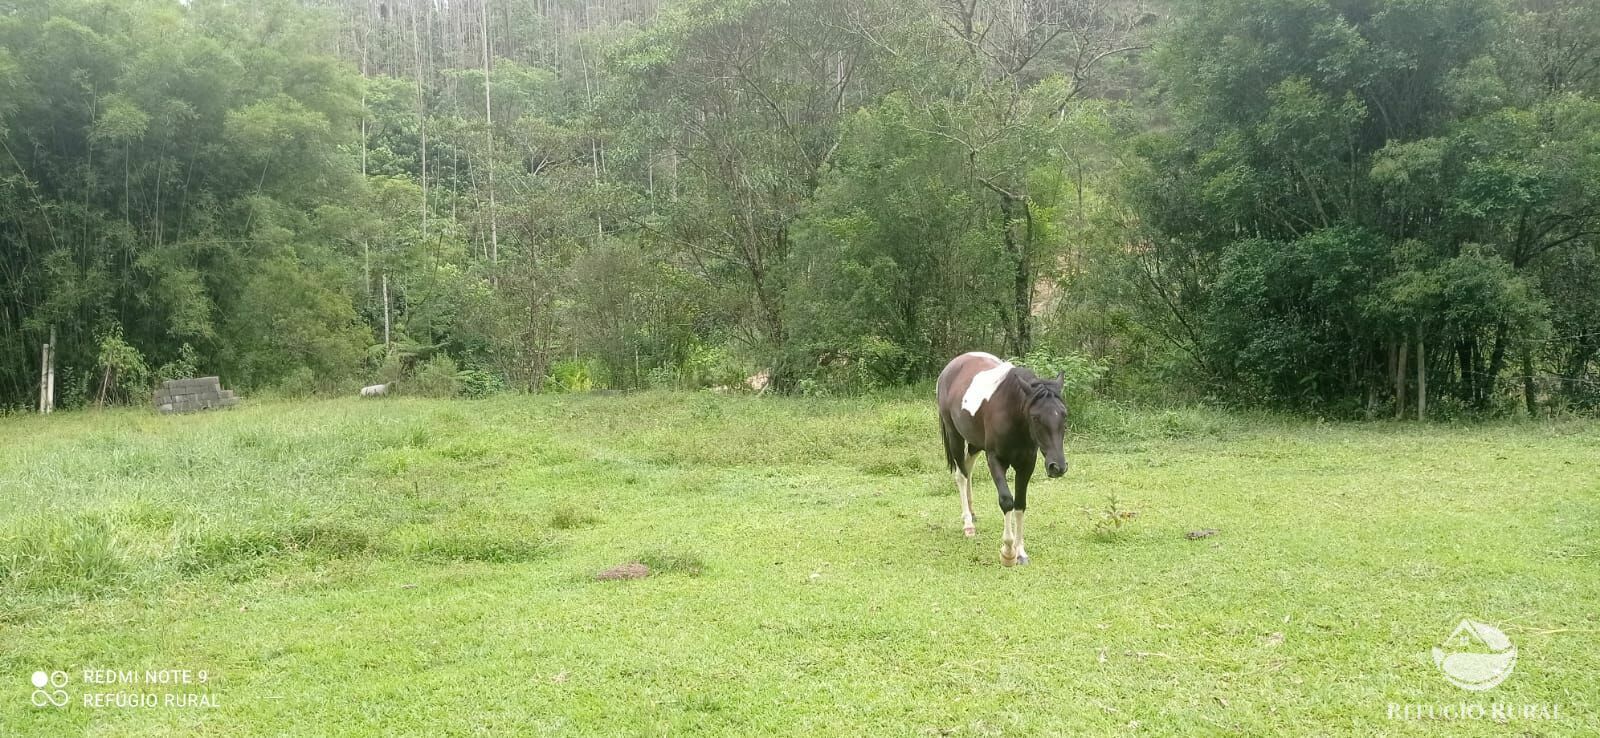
pixel 1007 562
pixel 1023 559
pixel 970 531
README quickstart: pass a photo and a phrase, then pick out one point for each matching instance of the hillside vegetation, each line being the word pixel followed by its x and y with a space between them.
pixel 1348 208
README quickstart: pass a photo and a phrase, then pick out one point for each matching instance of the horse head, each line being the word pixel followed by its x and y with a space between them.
pixel 1047 422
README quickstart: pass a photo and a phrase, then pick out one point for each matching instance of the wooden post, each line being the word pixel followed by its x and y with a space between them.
pixel 105 383
pixel 44 369
pixel 50 379
pixel 1422 378
pixel 386 310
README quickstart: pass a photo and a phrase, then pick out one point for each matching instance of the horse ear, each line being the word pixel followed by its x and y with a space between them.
pixel 1061 379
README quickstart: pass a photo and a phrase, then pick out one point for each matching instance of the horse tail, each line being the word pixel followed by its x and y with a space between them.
pixel 950 450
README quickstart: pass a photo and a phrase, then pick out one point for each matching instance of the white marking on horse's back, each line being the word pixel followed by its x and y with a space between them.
pixel 984 384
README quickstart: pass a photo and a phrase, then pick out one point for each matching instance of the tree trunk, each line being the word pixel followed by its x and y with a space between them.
pixel 1528 394
pixel 1400 382
pixel 422 119
pixel 1372 399
pixel 366 22
pixel 1497 363
pixel 1422 378
pixel 1577 367
pixel 1021 287
pixel 1389 365
pixel 1024 282
pixel 386 310
pixel 366 249
pixel 488 123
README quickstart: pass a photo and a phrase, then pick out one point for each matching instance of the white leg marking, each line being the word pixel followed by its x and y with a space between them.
pixel 968 526
pixel 1009 541
pixel 1022 549
pixel 964 486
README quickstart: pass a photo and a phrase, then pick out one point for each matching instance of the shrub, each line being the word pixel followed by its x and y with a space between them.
pixel 436 377
pixel 661 377
pixel 715 366
pixel 575 375
pixel 185 366
pixel 476 383
pixel 297 383
pixel 123 370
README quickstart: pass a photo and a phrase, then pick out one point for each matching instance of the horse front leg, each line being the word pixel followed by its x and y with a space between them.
pixel 1019 506
pixel 1008 539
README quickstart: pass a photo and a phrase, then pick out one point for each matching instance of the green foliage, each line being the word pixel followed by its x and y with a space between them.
pixel 288 320
pixel 436 377
pixel 123 365
pixel 575 375
pixel 1258 202
pixel 1312 219
pixel 158 161
pixel 1079 373
pixel 1110 520
pixel 479 383
pixel 719 365
pixel 630 312
pixel 186 365
pixel 661 377
pixel 896 262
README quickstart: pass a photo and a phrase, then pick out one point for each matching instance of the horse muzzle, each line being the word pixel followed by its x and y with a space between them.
pixel 1053 470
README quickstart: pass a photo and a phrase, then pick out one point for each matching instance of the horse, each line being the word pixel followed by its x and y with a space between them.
pixel 990 405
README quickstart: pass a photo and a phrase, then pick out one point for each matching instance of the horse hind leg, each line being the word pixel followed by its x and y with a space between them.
pixel 963 476
pixel 964 481
pixel 955 448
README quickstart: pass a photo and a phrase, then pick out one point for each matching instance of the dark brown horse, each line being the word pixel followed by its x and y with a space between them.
pixel 989 405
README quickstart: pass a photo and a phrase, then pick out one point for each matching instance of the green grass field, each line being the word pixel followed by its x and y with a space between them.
pixel 422 567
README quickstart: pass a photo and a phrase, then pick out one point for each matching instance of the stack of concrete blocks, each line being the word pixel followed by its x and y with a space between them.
pixel 188 395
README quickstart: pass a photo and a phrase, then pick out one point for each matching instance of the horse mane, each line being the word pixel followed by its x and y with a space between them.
pixel 1036 389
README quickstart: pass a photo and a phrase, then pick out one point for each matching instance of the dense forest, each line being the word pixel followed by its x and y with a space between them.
pixel 1358 208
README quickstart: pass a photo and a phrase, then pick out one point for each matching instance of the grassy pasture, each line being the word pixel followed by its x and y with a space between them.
pixel 421 567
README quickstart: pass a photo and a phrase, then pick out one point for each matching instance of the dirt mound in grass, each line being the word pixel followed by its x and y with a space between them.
pixel 631 570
